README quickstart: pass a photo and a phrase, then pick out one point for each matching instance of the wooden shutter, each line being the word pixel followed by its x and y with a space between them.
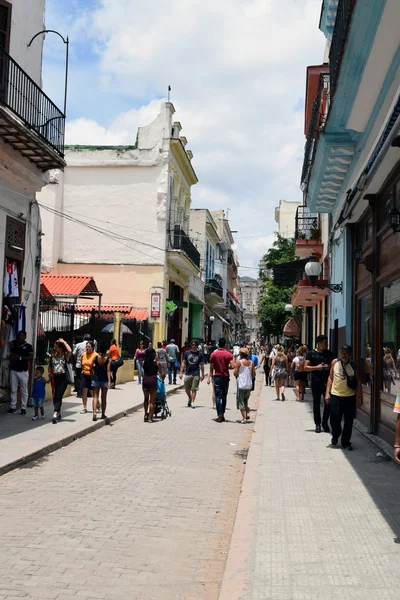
pixel 5 24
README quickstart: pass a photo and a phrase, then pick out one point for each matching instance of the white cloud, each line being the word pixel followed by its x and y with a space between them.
pixel 237 70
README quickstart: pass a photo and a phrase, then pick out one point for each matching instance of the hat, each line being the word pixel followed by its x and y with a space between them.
pixel 172 341
pixel 244 351
pixel 346 348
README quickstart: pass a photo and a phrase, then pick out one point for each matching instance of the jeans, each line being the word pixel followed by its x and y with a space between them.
pixel 318 389
pixel 342 407
pixel 139 364
pixel 114 369
pixel 19 378
pixel 221 386
pixel 172 371
pixel 60 385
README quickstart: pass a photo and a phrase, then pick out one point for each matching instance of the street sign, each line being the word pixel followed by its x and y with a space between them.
pixel 155 306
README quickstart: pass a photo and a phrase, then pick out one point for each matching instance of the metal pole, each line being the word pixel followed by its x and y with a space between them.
pixel 66 75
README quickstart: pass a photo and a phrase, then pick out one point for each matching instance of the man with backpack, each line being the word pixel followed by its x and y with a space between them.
pixel 343 393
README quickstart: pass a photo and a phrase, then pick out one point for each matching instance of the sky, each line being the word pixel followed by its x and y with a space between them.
pixel 237 72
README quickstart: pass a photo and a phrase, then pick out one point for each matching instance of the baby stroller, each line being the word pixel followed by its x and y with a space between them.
pixel 161 404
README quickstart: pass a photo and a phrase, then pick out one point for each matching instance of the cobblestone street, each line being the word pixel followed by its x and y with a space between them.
pixel 131 511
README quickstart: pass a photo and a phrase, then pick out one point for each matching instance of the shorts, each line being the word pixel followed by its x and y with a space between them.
pixel 38 402
pixel 86 382
pixel 242 399
pixel 192 382
pixel 149 383
pixel 300 376
pixel 97 383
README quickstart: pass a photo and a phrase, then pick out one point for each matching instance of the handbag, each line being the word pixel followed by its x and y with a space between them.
pixel 69 372
pixel 352 382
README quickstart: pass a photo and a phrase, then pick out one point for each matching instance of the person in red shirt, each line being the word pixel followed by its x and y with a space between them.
pixel 220 362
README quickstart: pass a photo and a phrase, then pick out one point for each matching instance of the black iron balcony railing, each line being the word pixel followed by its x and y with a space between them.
pixel 339 37
pixel 232 306
pixel 213 286
pixel 181 241
pixel 231 257
pixel 307 225
pixel 28 102
pixel 319 113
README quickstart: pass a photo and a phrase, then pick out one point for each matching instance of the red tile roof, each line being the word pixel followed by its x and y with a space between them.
pixel 108 310
pixel 69 285
pixel 44 292
pixel 140 314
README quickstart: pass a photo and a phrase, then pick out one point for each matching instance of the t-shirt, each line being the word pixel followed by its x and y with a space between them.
pixel 317 358
pixel 114 352
pixel 78 351
pixel 254 359
pixel 161 355
pixel 172 352
pixel 39 388
pixel 192 362
pixel 87 362
pixel 299 360
pixel 23 350
pixel 220 359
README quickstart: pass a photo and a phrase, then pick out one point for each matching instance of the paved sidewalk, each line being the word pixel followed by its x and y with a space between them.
pixel 22 439
pixel 313 522
pixel 134 511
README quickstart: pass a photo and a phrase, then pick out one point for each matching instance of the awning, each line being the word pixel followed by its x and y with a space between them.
pixel 210 311
pixel 194 300
pixel 70 286
pixel 308 295
pixel 289 273
pixel 107 311
pixel 233 295
pixel 291 328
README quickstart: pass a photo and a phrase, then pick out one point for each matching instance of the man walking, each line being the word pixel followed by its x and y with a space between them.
pixel 192 364
pixel 343 392
pixel 318 363
pixel 78 350
pixel 21 355
pixel 220 362
pixel 172 354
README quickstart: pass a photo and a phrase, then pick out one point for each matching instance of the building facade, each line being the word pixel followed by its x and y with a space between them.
pixel 121 214
pixel 31 142
pixel 284 217
pixel 250 292
pixel 351 174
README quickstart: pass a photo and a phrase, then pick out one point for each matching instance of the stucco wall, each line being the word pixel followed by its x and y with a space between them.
pixel 285 217
pixel 27 19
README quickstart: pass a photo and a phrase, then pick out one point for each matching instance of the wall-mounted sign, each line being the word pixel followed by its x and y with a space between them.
pixel 155 306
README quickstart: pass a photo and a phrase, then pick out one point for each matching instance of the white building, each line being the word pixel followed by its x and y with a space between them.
pixel 251 291
pixel 31 142
pixel 125 221
pixel 285 216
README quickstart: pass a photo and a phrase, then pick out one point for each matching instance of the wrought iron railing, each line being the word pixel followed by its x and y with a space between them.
pixel 26 100
pixel 182 242
pixel 319 114
pixel 307 225
pixel 213 286
pixel 231 257
pixel 339 36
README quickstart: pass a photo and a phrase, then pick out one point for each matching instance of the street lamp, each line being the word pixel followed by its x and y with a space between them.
pixel 288 308
pixel 66 42
pixel 313 270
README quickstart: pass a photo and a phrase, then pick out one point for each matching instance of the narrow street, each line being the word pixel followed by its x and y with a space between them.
pixel 131 511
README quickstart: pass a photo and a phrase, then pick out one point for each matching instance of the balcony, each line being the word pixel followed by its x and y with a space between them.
pixel 307 233
pixel 213 291
pixel 182 252
pixel 339 37
pixel 29 121
pixel 319 114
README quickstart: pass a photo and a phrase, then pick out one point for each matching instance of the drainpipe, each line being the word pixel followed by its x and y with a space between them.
pixel 38 264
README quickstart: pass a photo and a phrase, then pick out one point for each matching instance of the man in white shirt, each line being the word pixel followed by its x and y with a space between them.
pixel 78 350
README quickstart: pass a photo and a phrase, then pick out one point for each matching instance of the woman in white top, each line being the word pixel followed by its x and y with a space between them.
pixel 300 375
pixel 244 371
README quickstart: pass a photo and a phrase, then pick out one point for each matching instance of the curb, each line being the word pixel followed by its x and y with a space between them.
pixel 378 442
pixel 50 448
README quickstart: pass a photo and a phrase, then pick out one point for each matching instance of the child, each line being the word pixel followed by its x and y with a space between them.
pixel 39 392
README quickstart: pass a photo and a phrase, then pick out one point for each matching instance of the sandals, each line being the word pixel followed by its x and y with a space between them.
pixel 94 418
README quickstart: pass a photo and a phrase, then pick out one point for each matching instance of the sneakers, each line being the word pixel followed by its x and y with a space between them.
pixel 318 429
pixel 35 417
pixel 189 403
pixel 11 411
pixel 83 411
pixel 42 415
pixel 23 411
pixel 348 447
pixel 54 419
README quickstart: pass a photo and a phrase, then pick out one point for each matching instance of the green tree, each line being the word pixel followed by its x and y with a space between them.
pixel 271 310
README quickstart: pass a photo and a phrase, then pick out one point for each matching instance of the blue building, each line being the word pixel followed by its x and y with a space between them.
pixel 351 174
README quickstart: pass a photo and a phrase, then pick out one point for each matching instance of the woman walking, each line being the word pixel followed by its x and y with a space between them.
pixel 162 358
pixel 300 376
pixel 58 373
pixel 279 367
pixel 139 358
pixel 86 377
pixel 101 380
pixel 244 371
pixel 151 367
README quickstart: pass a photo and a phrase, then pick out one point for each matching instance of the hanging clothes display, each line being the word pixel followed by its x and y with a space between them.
pixel 11 285
pixel 20 319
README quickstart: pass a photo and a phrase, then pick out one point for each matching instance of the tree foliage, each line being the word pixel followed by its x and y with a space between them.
pixel 271 309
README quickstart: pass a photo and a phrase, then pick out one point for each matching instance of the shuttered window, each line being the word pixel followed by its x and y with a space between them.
pixel 5 24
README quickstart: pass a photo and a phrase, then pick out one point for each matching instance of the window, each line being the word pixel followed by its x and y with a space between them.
pixel 5 24
pixel 391 337
pixel 390 200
